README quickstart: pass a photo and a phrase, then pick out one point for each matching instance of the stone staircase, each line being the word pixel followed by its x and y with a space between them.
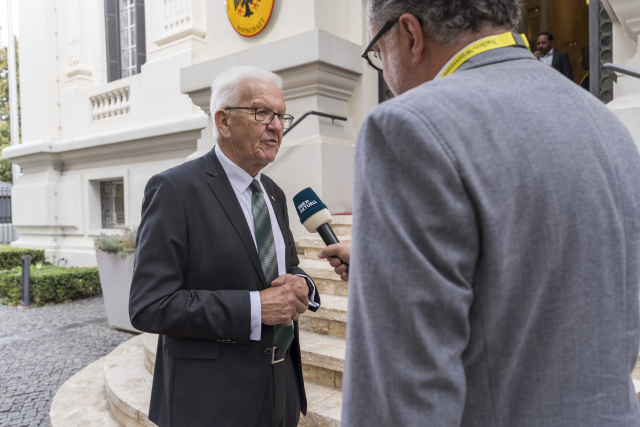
pixel 115 390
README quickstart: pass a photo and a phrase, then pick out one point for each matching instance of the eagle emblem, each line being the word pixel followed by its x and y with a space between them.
pixel 246 4
pixel 249 17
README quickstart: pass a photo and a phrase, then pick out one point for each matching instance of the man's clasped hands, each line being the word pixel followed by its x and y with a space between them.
pixel 285 300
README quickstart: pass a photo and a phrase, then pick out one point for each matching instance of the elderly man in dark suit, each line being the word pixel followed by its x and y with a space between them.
pixel 553 57
pixel 216 272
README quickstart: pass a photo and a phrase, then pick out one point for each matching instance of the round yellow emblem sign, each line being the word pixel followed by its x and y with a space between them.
pixel 249 17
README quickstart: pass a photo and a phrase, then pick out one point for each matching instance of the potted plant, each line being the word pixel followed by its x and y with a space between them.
pixel 115 255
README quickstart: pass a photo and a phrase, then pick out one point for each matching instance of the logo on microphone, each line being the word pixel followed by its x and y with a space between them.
pixel 306 205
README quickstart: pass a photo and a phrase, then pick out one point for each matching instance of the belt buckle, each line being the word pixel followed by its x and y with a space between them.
pixel 273 356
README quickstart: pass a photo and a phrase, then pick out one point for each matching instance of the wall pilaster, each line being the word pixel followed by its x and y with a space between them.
pixel 626 105
pixel 79 73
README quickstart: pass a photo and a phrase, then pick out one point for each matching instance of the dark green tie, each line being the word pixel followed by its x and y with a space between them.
pixel 282 335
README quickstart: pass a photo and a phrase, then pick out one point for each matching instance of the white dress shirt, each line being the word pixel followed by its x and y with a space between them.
pixel 548 58
pixel 240 181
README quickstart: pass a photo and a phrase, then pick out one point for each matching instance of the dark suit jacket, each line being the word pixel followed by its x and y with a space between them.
pixel 562 63
pixel 195 265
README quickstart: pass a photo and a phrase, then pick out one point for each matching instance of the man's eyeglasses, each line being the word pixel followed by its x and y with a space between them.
pixel 375 58
pixel 265 116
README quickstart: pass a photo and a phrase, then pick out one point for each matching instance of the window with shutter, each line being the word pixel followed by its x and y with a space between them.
pixel 113 39
pixel 126 48
pixel 141 47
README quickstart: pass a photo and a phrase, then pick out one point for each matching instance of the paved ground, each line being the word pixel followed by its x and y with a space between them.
pixel 32 369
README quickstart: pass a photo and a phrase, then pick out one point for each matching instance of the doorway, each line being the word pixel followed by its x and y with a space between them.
pixel 567 20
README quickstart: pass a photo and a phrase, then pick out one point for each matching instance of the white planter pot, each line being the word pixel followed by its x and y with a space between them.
pixel 115 279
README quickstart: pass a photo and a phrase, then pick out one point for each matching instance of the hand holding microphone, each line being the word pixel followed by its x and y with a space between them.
pixel 335 254
pixel 315 217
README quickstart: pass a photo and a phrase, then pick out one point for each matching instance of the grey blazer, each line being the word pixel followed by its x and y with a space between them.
pixel 494 272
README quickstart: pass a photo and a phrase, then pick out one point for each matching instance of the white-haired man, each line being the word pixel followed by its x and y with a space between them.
pixel 495 263
pixel 216 272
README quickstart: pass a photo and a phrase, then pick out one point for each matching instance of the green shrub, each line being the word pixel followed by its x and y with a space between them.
pixel 123 245
pixel 49 284
pixel 11 257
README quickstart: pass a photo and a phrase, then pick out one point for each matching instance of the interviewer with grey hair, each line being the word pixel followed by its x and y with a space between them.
pixel 494 267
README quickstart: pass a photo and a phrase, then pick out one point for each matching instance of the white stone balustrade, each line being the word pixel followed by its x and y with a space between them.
pixel 111 105
pixel 177 13
pixel 179 19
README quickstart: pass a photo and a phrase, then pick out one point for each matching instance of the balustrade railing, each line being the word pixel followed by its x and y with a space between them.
pixel 111 105
pixel 177 13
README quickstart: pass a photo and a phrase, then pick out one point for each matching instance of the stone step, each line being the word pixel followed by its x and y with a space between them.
pixel 81 401
pixel 326 280
pixel 312 244
pixel 330 319
pixel 127 383
pixel 322 358
pixel 341 224
pixel 324 406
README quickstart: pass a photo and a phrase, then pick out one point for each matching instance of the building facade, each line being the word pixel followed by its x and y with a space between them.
pixel 115 91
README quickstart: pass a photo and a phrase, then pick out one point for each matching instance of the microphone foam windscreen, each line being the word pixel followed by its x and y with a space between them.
pixel 307 203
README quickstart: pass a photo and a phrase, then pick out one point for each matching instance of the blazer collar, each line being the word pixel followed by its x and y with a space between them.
pixel 556 58
pixel 221 187
pixel 238 177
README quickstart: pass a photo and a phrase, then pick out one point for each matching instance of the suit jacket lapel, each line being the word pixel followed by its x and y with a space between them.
pixel 279 215
pixel 221 187
pixel 556 59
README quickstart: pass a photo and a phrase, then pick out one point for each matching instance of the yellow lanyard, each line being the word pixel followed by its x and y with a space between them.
pixel 489 43
pixel 584 78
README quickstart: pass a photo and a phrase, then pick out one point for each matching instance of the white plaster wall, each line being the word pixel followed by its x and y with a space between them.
pixel 65 153
pixel 67 216
pixel 38 70
pixel 626 49
pixel 342 18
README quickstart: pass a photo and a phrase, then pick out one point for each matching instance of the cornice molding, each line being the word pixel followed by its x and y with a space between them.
pixel 136 141
pixel 307 48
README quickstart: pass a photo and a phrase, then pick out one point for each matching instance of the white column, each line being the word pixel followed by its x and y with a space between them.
pixel 626 104
pixel 13 89
pixel 78 69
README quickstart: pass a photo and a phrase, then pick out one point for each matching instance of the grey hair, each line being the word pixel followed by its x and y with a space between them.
pixel 446 21
pixel 226 89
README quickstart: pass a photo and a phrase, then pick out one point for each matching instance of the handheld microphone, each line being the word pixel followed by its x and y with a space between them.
pixel 315 216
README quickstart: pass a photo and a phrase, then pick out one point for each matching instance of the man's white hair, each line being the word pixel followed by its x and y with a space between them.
pixel 226 89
